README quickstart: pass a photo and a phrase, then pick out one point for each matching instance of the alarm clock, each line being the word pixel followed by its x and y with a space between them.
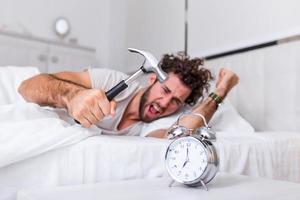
pixel 191 159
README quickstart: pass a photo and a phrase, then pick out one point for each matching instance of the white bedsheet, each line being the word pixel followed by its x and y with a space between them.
pixel 27 130
pixel 108 158
pixel 10 79
pixel 273 155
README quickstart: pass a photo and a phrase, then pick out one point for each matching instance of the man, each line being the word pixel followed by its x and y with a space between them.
pixel 82 94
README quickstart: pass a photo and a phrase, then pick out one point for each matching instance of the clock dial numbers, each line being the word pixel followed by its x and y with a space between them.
pixel 188 144
pixel 186 159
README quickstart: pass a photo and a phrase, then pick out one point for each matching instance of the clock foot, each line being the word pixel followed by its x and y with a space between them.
pixel 203 184
pixel 171 183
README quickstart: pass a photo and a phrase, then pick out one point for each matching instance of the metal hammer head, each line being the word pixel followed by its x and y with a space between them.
pixel 150 64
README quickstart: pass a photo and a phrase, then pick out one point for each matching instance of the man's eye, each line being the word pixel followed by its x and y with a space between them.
pixel 165 91
pixel 177 102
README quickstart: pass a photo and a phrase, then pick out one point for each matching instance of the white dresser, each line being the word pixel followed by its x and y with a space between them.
pixel 47 55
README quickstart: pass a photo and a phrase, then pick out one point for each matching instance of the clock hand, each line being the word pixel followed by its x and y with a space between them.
pixel 187 155
pixel 187 159
pixel 185 162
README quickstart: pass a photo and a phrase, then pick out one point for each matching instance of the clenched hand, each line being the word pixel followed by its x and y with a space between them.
pixel 90 106
pixel 226 81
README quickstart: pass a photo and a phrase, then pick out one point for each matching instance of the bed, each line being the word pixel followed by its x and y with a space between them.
pixel 112 158
pixel 77 156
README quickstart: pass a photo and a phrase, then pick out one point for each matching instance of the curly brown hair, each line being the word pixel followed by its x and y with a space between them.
pixel 190 72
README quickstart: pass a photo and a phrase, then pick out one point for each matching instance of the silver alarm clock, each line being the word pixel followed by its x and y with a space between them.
pixel 192 160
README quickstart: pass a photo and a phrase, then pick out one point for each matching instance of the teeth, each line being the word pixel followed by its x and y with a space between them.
pixel 156 107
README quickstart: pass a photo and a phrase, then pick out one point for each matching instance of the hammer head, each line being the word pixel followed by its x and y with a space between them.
pixel 151 64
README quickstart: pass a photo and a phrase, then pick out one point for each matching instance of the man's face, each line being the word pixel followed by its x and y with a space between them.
pixel 163 99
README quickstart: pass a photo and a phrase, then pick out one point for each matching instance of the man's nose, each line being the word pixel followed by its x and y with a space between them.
pixel 164 102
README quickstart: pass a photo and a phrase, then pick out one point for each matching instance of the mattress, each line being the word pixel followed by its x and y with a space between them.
pixel 110 158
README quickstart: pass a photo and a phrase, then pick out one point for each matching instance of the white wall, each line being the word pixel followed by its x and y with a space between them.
pixel 268 92
pixel 117 34
pixel 89 20
pixel 156 26
pixel 223 25
pixel 111 26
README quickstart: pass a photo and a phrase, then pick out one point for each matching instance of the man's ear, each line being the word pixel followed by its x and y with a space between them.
pixel 152 78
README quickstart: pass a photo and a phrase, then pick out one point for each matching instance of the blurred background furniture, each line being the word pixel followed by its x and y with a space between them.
pixel 48 55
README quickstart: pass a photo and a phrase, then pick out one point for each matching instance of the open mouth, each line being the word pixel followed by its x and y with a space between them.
pixel 154 109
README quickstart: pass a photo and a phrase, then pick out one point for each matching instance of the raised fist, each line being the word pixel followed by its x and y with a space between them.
pixel 226 81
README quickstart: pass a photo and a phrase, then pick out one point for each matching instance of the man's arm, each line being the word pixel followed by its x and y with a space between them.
pixel 54 89
pixel 226 81
pixel 70 90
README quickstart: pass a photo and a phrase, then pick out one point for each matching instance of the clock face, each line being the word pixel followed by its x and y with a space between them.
pixel 186 159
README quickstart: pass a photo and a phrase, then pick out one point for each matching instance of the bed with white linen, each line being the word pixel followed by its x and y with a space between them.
pixel 39 148
pixel 112 158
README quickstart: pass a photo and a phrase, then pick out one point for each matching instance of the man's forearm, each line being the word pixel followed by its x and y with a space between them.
pixel 207 108
pixel 70 90
pixel 48 90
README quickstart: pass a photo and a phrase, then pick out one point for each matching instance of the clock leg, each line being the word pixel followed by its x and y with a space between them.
pixel 171 183
pixel 203 184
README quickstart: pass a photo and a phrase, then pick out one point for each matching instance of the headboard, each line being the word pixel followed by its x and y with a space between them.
pixel 269 89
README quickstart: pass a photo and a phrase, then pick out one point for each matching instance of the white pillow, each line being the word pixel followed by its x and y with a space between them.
pixel 226 118
pixel 10 79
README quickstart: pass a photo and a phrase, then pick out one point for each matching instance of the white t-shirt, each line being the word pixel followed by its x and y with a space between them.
pixel 105 79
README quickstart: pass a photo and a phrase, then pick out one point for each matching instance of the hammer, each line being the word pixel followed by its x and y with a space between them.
pixel 149 65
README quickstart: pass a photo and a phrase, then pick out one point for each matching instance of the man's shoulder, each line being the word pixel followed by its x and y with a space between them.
pixel 105 78
pixel 107 72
